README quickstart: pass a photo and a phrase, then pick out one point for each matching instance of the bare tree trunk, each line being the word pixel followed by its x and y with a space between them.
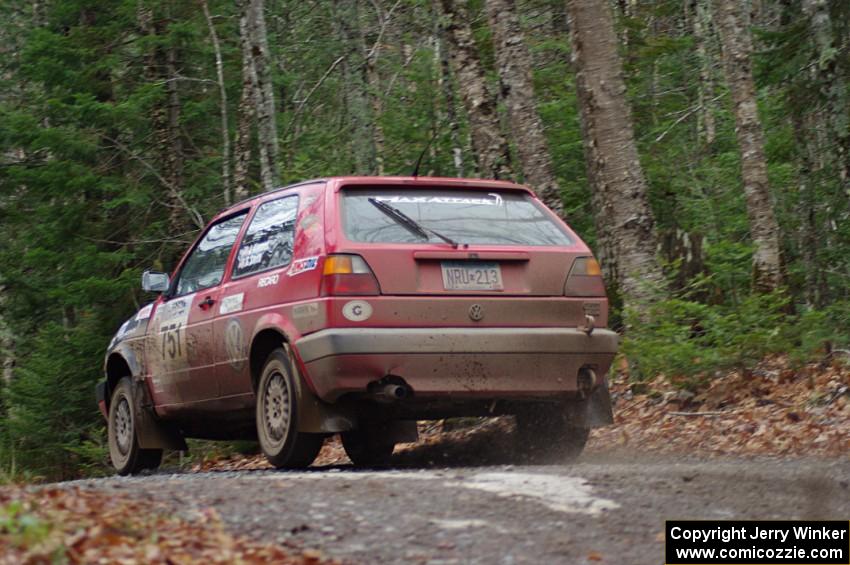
pixel 263 92
pixel 161 67
pixel 488 142
pixel 242 149
pixel 733 26
pixel 706 124
pixel 175 158
pixel 7 343
pixel 832 87
pixel 515 64
pixel 807 233
pixel 829 125
pixel 222 94
pixel 447 88
pixel 624 221
pixel 359 108
pixel 373 79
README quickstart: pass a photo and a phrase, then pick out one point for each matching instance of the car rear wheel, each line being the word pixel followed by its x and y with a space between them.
pixel 277 417
pixel 124 451
pixel 367 448
pixel 544 435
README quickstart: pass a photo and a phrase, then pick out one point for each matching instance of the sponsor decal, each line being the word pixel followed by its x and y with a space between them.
pixel 300 311
pixel 250 255
pixel 145 312
pixel 268 281
pixel 357 310
pixel 303 265
pixel 172 328
pixel 232 303
pixel 493 200
pixel 234 344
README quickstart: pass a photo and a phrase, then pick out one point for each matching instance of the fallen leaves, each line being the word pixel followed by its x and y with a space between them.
pixel 771 410
pixel 74 525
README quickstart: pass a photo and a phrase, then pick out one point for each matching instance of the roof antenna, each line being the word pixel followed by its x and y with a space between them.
pixel 421 155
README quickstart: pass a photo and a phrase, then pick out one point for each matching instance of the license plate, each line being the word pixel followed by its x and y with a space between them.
pixel 467 275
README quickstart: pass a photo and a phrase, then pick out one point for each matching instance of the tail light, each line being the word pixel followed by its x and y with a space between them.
pixel 585 278
pixel 348 275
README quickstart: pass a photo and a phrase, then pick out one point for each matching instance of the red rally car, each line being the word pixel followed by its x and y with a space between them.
pixel 358 305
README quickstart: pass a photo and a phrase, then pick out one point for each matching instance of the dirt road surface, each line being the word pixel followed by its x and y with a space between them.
pixel 602 509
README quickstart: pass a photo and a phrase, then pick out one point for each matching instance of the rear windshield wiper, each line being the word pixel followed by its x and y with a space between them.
pixel 409 223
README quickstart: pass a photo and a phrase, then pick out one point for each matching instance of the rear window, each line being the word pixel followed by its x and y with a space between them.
pixel 465 216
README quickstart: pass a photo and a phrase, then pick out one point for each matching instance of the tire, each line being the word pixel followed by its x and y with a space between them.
pixel 277 417
pixel 124 451
pixel 544 435
pixel 365 448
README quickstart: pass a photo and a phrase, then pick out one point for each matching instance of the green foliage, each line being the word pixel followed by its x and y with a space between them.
pixel 51 413
pixel 690 341
pixel 24 528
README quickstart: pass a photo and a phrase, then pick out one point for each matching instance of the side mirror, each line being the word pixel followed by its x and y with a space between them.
pixel 153 281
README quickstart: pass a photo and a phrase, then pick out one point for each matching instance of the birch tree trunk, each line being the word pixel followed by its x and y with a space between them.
pixel 222 94
pixel 706 125
pixel 733 25
pixel 242 149
pixel 624 221
pixel 488 142
pixel 515 64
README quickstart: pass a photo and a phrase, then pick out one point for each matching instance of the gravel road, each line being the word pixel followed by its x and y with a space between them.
pixel 603 509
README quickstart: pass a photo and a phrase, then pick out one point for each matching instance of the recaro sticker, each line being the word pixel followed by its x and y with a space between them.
pixel 303 265
pixel 357 310
pixel 268 281
pixel 232 303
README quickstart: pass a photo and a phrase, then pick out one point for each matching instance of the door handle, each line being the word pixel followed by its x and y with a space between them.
pixel 206 303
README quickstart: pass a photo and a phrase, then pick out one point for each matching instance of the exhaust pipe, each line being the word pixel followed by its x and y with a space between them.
pixel 585 381
pixel 394 392
pixel 389 392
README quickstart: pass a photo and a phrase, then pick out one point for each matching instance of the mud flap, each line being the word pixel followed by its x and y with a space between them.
pixel 151 433
pixel 595 411
pixel 400 431
pixel 314 415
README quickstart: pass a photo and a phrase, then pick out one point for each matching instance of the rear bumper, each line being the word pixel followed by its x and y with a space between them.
pixel 473 362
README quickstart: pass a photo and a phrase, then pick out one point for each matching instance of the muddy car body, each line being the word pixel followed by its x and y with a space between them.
pixel 359 305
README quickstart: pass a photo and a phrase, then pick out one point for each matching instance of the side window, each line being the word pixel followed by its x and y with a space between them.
pixel 268 241
pixel 205 266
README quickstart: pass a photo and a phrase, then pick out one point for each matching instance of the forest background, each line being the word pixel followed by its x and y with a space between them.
pixel 700 147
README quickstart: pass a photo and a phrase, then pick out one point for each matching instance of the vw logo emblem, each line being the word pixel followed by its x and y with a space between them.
pixel 476 312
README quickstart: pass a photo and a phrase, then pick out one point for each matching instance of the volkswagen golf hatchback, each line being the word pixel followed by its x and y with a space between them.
pixel 358 306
